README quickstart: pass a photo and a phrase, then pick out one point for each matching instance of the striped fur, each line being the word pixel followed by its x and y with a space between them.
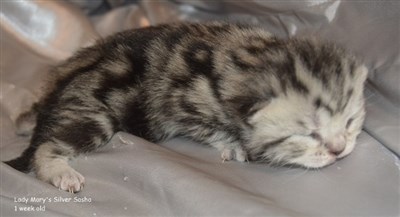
pixel 234 87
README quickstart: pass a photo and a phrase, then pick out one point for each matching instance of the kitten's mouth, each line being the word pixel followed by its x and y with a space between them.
pixel 316 161
pixel 306 163
pixel 322 161
pixel 302 166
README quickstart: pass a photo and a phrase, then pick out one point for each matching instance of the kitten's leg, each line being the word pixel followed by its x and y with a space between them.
pixel 230 150
pixel 229 144
pixel 51 165
pixel 238 154
pixel 80 133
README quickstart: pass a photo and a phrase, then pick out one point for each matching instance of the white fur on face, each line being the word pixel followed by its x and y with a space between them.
pixel 290 130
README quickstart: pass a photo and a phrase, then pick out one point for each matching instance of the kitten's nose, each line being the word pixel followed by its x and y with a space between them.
pixel 337 145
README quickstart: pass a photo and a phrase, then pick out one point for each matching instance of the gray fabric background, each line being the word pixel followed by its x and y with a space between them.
pixel 131 177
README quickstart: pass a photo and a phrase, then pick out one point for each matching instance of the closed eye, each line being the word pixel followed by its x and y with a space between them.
pixel 349 123
pixel 316 136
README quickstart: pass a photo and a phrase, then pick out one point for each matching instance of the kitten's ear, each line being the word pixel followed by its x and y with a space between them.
pixel 258 106
pixel 246 106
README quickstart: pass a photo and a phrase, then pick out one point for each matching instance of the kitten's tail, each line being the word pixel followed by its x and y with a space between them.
pixel 26 121
pixel 25 124
pixel 23 162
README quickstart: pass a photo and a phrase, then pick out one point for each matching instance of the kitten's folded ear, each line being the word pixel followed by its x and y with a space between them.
pixel 258 106
pixel 247 106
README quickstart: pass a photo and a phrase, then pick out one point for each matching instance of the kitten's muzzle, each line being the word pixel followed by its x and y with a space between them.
pixel 336 146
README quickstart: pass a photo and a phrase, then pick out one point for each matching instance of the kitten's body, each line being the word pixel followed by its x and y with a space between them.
pixel 233 87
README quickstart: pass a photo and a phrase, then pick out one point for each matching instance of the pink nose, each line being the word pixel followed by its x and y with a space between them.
pixel 337 145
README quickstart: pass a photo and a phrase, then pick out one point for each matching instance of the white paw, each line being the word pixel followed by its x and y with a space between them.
pixel 237 154
pixel 226 154
pixel 68 180
pixel 240 155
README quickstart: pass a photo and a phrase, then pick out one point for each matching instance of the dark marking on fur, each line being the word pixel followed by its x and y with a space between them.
pixel 197 65
pixel 316 136
pixel 218 29
pixel 204 66
pixel 264 147
pixel 247 106
pixel 273 143
pixel 318 103
pixel 182 81
pixel 348 96
pixel 188 107
pixel 301 123
pixel 339 69
pixel 349 122
pixel 84 142
pixel 288 73
pixel 257 45
pixel 174 36
pixel 345 100
pixel 299 85
pixel 239 62
pixel 352 68
pixel 57 151
pixel 135 121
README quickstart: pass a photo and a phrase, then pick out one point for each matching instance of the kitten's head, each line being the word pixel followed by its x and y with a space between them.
pixel 314 118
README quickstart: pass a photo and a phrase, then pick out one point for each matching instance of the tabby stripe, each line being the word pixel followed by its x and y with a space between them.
pixel 319 104
pixel 264 147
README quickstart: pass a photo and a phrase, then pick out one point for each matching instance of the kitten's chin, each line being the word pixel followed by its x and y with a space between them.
pixel 318 161
pixel 315 161
pixel 347 151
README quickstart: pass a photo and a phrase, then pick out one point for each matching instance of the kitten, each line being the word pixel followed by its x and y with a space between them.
pixel 234 87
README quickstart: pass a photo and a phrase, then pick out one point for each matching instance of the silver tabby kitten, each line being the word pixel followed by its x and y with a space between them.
pixel 234 87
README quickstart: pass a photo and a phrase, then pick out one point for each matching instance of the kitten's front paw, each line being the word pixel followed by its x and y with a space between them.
pixel 237 154
pixel 68 180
